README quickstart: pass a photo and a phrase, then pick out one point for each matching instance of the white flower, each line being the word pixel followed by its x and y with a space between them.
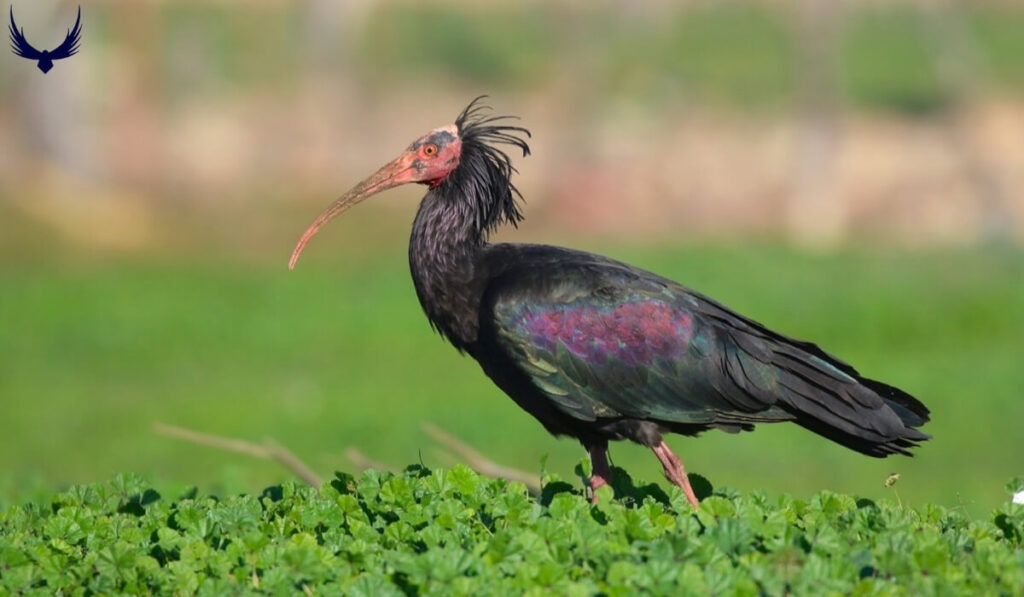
pixel 1018 498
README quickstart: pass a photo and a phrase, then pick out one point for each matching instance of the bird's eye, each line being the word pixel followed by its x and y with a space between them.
pixel 430 149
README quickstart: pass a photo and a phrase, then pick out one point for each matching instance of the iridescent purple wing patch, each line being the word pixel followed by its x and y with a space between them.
pixel 635 333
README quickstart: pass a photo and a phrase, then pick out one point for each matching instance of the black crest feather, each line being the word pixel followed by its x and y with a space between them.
pixel 484 173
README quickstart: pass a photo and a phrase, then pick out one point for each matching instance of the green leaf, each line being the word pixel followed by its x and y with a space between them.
pixel 455 532
pixel 563 504
pixel 464 479
pixel 622 573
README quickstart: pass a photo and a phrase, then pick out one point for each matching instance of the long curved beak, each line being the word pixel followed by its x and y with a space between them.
pixel 398 172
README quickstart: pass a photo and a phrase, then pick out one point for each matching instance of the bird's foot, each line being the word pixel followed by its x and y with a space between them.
pixel 602 473
pixel 596 482
pixel 675 472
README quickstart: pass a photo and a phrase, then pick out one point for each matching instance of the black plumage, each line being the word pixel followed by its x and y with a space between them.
pixel 599 350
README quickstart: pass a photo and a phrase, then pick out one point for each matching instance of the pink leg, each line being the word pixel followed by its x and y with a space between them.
pixel 601 473
pixel 675 472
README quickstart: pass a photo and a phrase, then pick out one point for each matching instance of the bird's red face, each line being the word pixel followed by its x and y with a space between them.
pixel 433 156
pixel 429 160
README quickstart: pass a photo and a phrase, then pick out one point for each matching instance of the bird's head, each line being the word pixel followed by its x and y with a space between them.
pixel 456 156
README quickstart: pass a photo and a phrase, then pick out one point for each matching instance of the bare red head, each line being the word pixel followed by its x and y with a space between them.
pixel 461 158
pixel 428 160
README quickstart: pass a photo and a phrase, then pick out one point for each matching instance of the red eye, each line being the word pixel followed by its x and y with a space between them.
pixel 430 150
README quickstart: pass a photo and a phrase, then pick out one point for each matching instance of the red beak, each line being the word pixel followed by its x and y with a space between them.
pixel 398 172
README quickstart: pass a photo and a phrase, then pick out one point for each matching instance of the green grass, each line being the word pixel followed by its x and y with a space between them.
pixel 338 354
pixel 998 38
pixel 887 61
pixel 737 53
pixel 732 53
pixel 490 46
pixel 451 532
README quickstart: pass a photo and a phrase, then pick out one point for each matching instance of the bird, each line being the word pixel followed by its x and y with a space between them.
pixel 45 58
pixel 596 349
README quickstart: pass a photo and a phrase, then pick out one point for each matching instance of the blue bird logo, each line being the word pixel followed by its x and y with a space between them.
pixel 21 47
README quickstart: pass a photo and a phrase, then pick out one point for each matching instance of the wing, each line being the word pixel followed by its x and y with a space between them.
pixel 69 47
pixel 20 45
pixel 602 339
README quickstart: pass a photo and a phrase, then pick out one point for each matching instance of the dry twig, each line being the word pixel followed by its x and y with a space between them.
pixel 479 462
pixel 364 462
pixel 269 450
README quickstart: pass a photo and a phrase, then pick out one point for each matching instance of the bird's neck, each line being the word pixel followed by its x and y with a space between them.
pixel 445 252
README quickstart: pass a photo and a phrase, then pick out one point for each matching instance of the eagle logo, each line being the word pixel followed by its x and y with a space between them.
pixel 21 47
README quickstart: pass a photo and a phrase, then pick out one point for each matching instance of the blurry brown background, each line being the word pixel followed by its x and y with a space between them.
pixel 812 121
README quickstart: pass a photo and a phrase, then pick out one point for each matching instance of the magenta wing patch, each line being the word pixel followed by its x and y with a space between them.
pixel 635 333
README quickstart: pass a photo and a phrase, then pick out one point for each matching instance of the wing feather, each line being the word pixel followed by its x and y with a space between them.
pixel 604 340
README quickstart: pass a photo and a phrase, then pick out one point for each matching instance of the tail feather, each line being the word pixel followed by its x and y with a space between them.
pixel 823 395
pixel 795 380
pixel 891 428
pixel 910 409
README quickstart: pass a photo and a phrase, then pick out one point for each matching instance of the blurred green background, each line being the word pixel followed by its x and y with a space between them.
pixel 848 174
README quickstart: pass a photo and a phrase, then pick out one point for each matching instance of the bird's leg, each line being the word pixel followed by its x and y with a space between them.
pixel 601 473
pixel 674 471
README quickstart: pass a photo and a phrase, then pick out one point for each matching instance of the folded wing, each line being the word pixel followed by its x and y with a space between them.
pixel 603 340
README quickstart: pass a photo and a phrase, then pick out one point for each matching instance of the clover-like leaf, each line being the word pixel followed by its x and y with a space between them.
pixel 455 532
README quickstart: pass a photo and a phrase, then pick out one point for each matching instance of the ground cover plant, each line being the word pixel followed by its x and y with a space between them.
pixel 444 532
